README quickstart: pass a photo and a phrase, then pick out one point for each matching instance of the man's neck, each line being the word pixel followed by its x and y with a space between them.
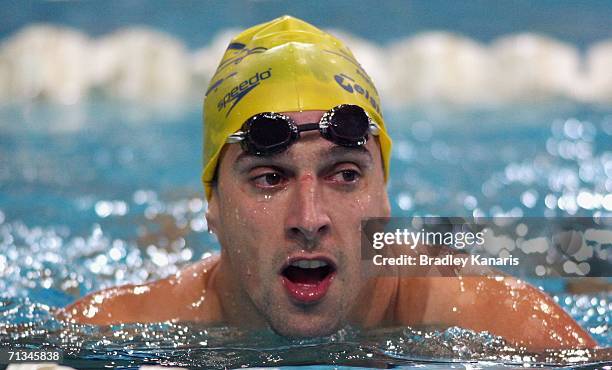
pixel 238 309
pixel 375 304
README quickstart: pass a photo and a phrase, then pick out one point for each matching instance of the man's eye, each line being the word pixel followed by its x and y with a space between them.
pixel 346 176
pixel 268 180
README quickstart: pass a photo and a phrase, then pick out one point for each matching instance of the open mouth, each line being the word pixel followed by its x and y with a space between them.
pixel 307 280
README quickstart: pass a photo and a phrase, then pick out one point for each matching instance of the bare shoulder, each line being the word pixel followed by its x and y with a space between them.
pixel 503 306
pixel 183 296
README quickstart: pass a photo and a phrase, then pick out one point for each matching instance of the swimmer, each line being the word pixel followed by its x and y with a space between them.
pixel 287 192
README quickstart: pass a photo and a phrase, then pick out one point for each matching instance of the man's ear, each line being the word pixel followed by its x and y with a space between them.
pixel 212 213
pixel 386 206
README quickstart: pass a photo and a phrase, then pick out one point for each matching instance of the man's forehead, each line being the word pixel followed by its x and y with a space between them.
pixel 305 116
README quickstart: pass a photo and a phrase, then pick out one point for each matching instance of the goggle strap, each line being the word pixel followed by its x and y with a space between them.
pixel 236 137
pixel 308 126
pixel 374 128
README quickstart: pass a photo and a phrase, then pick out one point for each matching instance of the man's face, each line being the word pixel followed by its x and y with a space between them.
pixel 289 228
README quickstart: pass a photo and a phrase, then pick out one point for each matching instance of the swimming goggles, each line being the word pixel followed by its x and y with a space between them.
pixel 269 133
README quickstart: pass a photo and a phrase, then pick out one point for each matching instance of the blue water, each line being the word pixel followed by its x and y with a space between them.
pixel 577 22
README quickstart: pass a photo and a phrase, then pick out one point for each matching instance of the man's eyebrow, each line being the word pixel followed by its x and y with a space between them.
pixel 332 153
pixel 252 158
pixel 344 151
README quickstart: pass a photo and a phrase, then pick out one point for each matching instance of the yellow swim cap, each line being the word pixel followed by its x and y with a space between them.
pixel 281 66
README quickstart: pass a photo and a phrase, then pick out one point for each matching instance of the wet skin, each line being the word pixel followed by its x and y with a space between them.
pixel 307 203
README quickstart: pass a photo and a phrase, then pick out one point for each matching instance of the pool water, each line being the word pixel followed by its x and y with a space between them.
pixel 92 197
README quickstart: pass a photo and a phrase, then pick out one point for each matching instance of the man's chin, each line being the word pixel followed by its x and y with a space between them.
pixel 305 327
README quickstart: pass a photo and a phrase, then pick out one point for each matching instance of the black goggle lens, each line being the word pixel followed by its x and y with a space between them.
pixel 349 123
pixel 268 133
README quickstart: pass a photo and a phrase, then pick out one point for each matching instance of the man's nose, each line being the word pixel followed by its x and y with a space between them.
pixel 308 220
